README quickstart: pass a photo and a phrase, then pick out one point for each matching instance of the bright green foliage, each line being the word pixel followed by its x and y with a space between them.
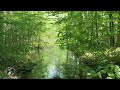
pixel 90 41
pixel 20 38
pixel 90 32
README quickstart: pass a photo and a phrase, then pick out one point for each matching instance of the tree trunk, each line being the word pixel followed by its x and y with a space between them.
pixel 1 28
pixel 118 33
pixel 111 26
pixel 96 24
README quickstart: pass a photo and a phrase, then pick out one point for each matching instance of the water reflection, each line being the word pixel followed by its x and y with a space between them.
pixel 52 71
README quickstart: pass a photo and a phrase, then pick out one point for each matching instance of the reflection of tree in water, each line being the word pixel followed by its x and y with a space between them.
pixel 56 77
pixel 52 71
pixel 53 54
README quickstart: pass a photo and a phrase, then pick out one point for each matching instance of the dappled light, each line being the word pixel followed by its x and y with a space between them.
pixel 60 44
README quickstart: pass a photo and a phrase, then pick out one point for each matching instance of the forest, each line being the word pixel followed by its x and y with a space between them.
pixel 59 44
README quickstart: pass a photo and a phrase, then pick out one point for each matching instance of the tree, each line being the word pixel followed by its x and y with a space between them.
pixel 118 32
pixel 111 24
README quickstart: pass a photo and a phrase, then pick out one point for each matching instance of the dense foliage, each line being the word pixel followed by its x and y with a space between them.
pixel 20 39
pixel 90 41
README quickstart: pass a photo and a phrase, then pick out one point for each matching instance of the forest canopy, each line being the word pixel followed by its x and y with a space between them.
pixel 60 44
